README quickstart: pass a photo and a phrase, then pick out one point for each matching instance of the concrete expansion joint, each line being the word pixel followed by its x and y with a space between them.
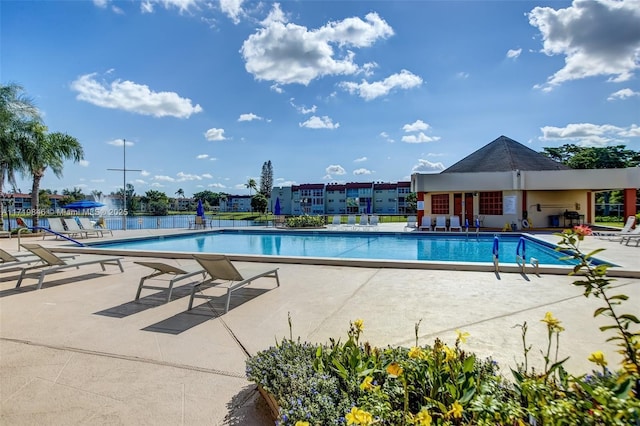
pixel 127 358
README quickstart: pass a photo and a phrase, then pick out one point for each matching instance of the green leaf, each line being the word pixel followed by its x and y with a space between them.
pixel 619 297
pixel 624 389
pixel 599 311
pixel 630 317
pixel 607 327
pixel 468 394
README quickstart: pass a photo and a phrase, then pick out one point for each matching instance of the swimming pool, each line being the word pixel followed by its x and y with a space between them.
pixel 342 245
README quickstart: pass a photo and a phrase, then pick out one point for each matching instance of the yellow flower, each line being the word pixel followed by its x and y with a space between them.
pixel 598 358
pixel 367 384
pixel 462 335
pixel 416 352
pixel 456 410
pixel 552 322
pixel 358 417
pixel 423 418
pixel 359 325
pixel 301 423
pixel 449 354
pixel 394 369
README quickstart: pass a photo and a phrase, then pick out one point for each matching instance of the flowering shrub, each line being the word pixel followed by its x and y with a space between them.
pixel 354 383
pixel 305 221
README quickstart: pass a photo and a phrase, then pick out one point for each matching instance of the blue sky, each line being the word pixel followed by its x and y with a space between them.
pixel 204 92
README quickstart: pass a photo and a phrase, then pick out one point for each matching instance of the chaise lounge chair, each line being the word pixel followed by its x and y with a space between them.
pixel 72 226
pixel 12 262
pixel 164 269
pixel 614 235
pixel 441 223
pixel 221 270
pixel 54 263
pixel 631 235
pixel 454 223
pixel 412 223
pixel 58 229
pixel 426 223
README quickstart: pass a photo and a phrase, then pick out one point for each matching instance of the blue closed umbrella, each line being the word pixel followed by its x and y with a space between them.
pixel 83 204
pixel 368 205
pixel 276 209
pixel 200 209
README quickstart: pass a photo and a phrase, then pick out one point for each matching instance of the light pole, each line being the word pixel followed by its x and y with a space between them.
pixel 124 171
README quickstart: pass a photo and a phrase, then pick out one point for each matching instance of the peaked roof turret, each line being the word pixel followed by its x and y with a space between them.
pixel 503 155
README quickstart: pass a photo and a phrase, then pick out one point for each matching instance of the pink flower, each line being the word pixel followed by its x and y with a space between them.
pixel 582 231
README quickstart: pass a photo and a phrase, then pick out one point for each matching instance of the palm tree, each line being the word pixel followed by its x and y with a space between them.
pixel 251 184
pixel 180 193
pixel 42 150
pixel 17 112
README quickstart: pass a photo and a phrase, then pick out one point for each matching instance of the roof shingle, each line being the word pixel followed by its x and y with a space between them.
pixel 503 155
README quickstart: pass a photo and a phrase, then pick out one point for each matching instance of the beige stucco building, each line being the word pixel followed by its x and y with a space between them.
pixel 506 182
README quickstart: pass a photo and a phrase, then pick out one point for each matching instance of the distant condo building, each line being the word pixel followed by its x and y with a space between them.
pixel 320 199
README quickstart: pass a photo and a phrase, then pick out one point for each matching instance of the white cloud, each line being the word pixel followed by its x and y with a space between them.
pixel 513 53
pixel 335 170
pixel 207 176
pixel 288 53
pixel 368 91
pixel 140 182
pixel 426 166
pixel 84 163
pixel 415 126
pixel 214 134
pixel 276 88
pixel 101 3
pixel 249 117
pixel 157 185
pixel 319 123
pixel 120 142
pixel 462 75
pixel 622 94
pixel 596 38
pixel 386 137
pixel 302 109
pixel 419 138
pixel 184 177
pixel 202 156
pixel 587 134
pixel 360 160
pixel 164 178
pixel 233 9
pixel 362 171
pixel 216 185
pixel 145 173
pixel 132 97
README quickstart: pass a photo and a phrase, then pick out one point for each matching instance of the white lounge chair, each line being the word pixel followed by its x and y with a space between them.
pixel 454 223
pixel 351 222
pixel 336 222
pixel 12 262
pixel 628 226
pixel 441 223
pixel 73 226
pixel 86 225
pixel 102 225
pixel 633 235
pixel 221 270
pixel 374 220
pixel 160 268
pixel 55 225
pixel 426 223
pixel 412 223
pixel 53 263
pixel 364 222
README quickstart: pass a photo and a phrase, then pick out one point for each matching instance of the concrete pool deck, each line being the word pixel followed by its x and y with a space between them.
pixel 80 351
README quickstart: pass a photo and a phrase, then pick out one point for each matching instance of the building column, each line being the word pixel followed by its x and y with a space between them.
pixel 420 197
pixel 629 202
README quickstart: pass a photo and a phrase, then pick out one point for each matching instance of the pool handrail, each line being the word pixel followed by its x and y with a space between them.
pixel 496 253
pixel 521 254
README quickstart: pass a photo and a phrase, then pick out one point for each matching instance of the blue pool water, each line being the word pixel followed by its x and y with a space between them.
pixel 388 246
